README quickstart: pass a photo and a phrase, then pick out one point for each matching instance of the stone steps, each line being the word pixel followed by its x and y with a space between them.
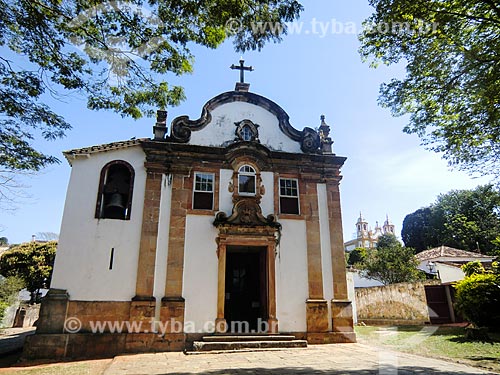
pixel 232 338
pixel 241 342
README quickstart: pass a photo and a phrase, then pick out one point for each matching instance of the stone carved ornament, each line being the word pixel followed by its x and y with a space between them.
pixel 182 126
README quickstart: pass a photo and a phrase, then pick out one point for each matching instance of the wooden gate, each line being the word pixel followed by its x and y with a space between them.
pixel 437 303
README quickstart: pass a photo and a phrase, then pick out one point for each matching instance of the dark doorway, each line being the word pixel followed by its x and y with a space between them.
pixel 437 304
pixel 246 288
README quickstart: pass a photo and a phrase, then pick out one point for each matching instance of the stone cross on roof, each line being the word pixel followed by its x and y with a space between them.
pixel 242 69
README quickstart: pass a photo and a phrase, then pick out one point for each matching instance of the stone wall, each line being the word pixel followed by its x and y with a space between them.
pixel 403 303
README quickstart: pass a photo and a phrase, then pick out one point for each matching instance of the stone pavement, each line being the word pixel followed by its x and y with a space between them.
pixel 334 359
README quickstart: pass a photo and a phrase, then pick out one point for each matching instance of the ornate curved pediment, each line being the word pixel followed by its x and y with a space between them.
pixel 182 126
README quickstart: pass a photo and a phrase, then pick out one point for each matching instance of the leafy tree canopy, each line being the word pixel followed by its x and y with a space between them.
pixel 391 263
pixel 451 90
pixel 473 268
pixel 464 219
pixel 116 53
pixel 356 256
pixel 31 261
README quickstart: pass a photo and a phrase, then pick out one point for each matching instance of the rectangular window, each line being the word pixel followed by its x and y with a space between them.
pixel 246 184
pixel 203 192
pixel 289 196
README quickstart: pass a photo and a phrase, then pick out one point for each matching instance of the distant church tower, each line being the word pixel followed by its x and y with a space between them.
pixel 361 226
pixel 388 226
pixel 367 238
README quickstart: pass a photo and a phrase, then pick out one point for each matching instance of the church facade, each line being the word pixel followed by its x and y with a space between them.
pixel 229 223
pixel 366 237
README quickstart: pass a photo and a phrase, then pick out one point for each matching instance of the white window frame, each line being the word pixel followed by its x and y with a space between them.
pixel 289 196
pixel 246 173
pixel 203 191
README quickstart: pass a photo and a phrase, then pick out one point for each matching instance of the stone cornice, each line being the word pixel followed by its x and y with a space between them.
pixel 182 158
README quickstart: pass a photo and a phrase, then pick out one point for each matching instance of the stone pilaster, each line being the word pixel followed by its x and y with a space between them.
pixel 53 312
pixel 317 315
pixel 220 321
pixel 341 307
pixel 149 235
pixel 309 200
pixel 172 306
pixel 316 305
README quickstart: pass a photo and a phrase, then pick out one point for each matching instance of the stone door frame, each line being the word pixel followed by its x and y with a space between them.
pixel 241 237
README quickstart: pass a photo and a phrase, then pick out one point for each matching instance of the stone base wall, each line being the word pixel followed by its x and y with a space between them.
pixel 68 329
pixel 403 303
pixel 89 345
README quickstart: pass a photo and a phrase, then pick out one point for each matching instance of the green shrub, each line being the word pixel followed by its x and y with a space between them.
pixel 473 268
pixel 3 307
pixel 478 299
pixel 9 289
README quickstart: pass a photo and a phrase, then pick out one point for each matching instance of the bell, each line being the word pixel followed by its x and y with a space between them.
pixel 116 201
pixel 115 208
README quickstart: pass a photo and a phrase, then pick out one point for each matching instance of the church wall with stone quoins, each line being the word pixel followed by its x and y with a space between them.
pixel 232 217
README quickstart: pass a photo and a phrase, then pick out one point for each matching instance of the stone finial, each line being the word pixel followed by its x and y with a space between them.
pixel 160 128
pixel 324 132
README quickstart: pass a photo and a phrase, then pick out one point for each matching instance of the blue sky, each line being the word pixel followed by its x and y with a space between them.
pixel 312 72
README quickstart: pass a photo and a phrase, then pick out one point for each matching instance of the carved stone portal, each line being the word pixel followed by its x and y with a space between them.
pixel 247 227
pixel 246 212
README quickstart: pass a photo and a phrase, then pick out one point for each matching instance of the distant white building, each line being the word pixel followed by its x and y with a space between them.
pixel 446 262
pixel 366 237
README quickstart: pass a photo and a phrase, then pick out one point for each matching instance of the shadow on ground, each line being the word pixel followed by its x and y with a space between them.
pixel 383 370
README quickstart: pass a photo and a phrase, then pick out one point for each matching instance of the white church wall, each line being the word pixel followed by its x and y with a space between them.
pixel 291 277
pixel 267 203
pixel 200 272
pixel 221 129
pixel 85 243
pixel 326 254
pixel 160 279
pixel 225 196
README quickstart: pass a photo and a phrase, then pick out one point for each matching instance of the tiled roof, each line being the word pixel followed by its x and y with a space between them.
pixel 450 252
pixel 70 154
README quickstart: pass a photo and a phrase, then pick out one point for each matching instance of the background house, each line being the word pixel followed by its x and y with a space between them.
pixel 446 262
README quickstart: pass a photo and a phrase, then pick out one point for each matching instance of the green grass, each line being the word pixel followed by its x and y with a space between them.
pixel 438 342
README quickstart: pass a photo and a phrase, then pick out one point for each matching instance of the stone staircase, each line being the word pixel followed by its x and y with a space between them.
pixel 241 342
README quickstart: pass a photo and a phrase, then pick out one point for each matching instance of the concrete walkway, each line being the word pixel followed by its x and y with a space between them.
pixel 12 339
pixel 335 359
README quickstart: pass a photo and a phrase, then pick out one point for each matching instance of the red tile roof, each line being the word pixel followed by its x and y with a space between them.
pixel 71 154
pixel 449 252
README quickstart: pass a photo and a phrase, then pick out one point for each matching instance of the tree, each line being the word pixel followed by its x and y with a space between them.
pixel 420 229
pixel 465 219
pixel 9 289
pixel 116 53
pixel 4 241
pixel 31 261
pixel 451 49
pixel 391 263
pixel 356 256
pixel 473 268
